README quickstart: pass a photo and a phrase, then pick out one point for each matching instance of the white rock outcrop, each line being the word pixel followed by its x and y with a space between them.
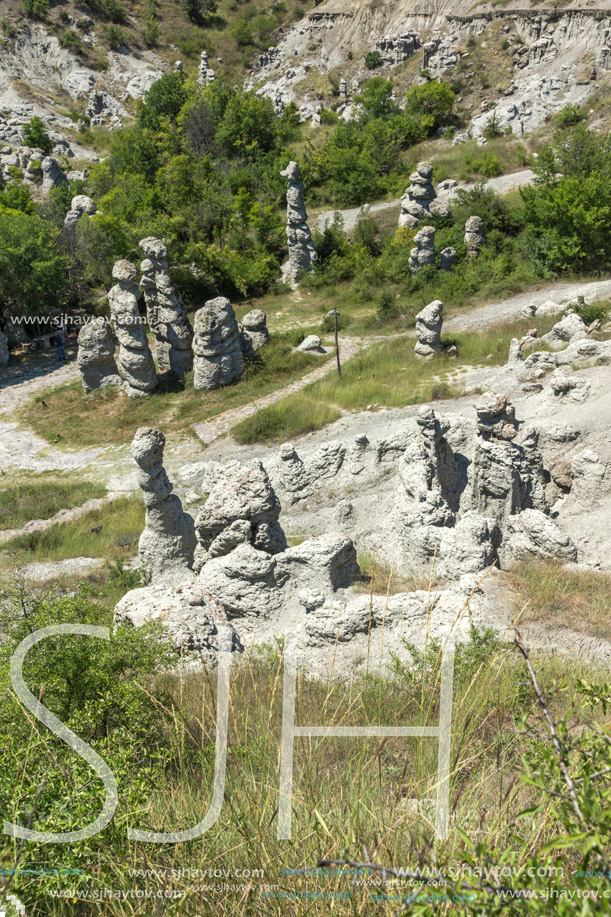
pixel 475 237
pixel 416 200
pixel 253 332
pixel 423 252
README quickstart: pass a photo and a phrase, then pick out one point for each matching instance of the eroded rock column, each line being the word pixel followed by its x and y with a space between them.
pixel 218 357
pixel 301 249
pixel 428 330
pixel 136 363
pixel 96 356
pixel 166 312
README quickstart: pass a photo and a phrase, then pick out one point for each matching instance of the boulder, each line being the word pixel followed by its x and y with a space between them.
pixel 96 356
pixel 253 332
pixel 569 327
pixel 242 508
pixel 52 175
pixel 217 351
pixel 311 344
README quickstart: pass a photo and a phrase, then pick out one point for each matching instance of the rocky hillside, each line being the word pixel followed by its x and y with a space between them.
pixel 529 62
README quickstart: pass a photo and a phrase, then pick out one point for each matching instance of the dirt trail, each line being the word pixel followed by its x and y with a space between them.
pixel 502 185
pixel 211 429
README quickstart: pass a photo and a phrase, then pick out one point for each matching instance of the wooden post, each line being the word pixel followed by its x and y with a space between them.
pixel 339 365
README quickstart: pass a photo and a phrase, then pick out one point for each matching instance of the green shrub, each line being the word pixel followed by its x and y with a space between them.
pixel 114 37
pixel 570 115
pixel 70 40
pixel 492 128
pixel 373 59
pixel 36 9
pixel 35 135
pixel 489 165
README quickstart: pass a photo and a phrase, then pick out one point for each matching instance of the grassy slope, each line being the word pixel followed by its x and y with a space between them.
pixel 387 374
pixel 111 417
pixel 40 496
pixel 121 521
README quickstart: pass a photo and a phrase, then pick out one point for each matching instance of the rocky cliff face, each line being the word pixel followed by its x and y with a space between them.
pixel 541 58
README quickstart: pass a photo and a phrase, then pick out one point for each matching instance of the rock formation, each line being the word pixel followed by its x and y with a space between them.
pixel 168 541
pixel 3 350
pixel 96 356
pixel 475 236
pixel 253 332
pixel 80 204
pixel 428 330
pixel 52 175
pixel 311 344
pixel 423 251
pixel 241 509
pixel 218 357
pixel 299 239
pixel 415 202
pixel 570 327
pixel 205 72
pixel 136 363
pixel 448 258
pixel 166 312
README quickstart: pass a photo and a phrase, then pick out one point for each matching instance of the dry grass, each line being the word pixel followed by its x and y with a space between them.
pixel 41 495
pixel 562 596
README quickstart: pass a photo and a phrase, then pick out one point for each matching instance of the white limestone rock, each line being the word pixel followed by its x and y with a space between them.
pixel 217 351
pixel 135 359
pixel 167 544
pixel 96 356
pixel 428 330
pixel 166 312
pixel 302 253
pixel 253 332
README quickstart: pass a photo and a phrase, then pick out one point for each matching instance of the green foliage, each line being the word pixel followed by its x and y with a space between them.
pixel 199 11
pixel 151 32
pixel 164 99
pixel 570 115
pixel 489 165
pixel 376 98
pixel 32 269
pixel 115 37
pixel 36 9
pixel 17 197
pixel 35 135
pixel 373 59
pixel 492 127
pixel 111 10
pixel 430 104
pixel 42 496
pixel 70 40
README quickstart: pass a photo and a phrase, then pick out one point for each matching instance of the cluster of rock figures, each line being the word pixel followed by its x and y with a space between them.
pixel 463 494
pixel 215 348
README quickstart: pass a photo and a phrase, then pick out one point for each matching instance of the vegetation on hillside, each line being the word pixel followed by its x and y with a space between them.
pixel 516 826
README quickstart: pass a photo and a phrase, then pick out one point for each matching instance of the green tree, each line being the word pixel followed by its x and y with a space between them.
pixel 376 98
pixel 36 136
pixel 32 271
pixel 431 103
pixel 373 59
pixel 36 9
pixel 199 11
pixel 165 98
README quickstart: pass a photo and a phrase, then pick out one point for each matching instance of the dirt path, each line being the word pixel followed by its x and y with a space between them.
pixel 511 308
pixel 211 429
pixel 502 185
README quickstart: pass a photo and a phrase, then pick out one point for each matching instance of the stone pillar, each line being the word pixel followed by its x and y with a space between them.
pixel 423 251
pixel 299 239
pixel 428 330
pixel 475 236
pixel 166 312
pixel 168 541
pixel 136 363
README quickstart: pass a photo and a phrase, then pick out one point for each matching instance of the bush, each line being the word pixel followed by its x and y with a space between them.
pixel 35 135
pixel 199 11
pixel 489 165
pixel 114 37
pixel 492 128
pixel 70 40
pixel 570 115
pixel 151 32
pixel 36 9
pixel 373 59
